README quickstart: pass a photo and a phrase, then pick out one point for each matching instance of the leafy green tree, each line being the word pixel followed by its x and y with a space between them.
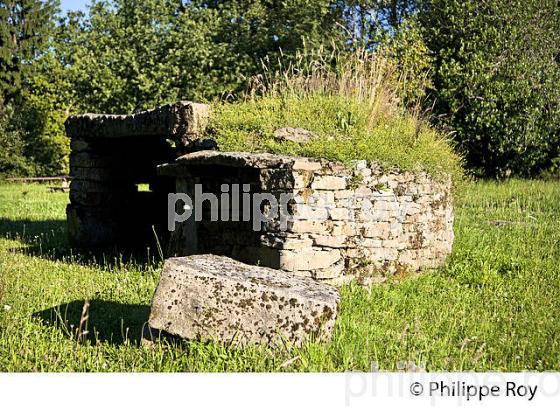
pixel 29 135
pixel 47 101
pixel 257 29
pixel 368 23
pixel 133 54
pixel 496 80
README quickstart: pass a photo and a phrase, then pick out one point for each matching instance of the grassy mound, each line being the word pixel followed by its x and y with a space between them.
pixel 342 131
pixel 353 109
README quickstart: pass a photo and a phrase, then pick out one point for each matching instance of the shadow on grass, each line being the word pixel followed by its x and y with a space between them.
pixel 48 239
pixel 109 322
pixel 52 232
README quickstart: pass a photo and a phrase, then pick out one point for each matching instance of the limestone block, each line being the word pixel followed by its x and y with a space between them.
pixel 90 160
pixel 331 272
pixel 330 241
pixel 319 198
pixel 285 242
pixel 382 254
pixel 343 194
pixel 94 199
pixel 305 164
pixel 274 179
pixel 361 164
pixel 101 187
pixel 308 259
pixel 341 214
pixel 363 191
pixel 284 179
pixel 100 174
pixel 343 228
pixel 303 226
pixel 214 298
pixel 328 182
pixel 380 230
pixel 371 243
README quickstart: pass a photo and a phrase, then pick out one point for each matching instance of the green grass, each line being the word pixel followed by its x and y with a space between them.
pixel 494 306
pixel 344 129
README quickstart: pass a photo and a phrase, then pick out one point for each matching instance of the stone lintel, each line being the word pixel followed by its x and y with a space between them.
pixel 239 160
pixel 182 122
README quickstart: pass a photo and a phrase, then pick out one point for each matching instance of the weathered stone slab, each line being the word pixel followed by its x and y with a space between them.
pixel 215 298
pixel 183 121
pixel 237 160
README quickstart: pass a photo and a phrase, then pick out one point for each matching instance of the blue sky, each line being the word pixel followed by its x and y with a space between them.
pixel 66 5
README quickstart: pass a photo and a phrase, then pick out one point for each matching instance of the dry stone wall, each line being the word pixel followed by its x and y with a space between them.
pixel 343 222
pixel 294 222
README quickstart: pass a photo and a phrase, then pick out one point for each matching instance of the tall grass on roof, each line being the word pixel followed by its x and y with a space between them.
pixel 352 104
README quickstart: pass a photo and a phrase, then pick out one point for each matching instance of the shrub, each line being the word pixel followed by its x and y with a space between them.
pixel 408 52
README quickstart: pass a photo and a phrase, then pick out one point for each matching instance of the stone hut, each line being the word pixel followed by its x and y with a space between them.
pixel 111 156
pixel 312 217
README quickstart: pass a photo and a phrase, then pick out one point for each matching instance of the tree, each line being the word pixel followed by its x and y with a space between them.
pixel 134 54
pixel 497 70
pixel 24 30
pixel 257 29
pixel 130 55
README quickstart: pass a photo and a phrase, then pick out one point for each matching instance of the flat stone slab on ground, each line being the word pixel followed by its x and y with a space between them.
pixel 215 298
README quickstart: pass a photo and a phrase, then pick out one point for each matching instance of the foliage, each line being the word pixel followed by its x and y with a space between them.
pixel 257 30
pixel 32 133
pixel 413 62
pixel 45 106
pixel 352 107
pixel 494 306
pixel 12 159
pixel 496 80
pixel 490 69
pixel 147 53
pixel 130 55
pixel 25 26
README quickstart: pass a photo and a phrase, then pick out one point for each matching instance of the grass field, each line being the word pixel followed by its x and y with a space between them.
pixel 494 306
